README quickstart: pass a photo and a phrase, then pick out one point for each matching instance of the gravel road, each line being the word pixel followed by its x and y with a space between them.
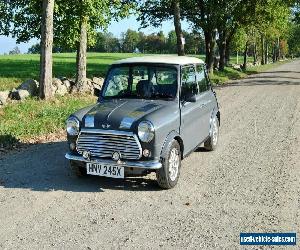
pixel 250 184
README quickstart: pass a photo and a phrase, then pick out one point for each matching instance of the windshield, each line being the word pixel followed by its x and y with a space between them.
pixel 141 81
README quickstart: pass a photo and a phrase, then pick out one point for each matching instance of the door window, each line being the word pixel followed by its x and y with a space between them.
pixel 202 79
pixel 189 84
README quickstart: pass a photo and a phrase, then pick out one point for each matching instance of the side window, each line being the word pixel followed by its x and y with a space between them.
pixel 202 79
pixel 189 84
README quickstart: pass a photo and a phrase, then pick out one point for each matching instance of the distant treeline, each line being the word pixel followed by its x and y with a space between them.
pixel 138 42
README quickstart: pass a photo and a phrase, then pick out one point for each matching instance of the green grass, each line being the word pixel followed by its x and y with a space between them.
pixel 221 77
pixel 16 68
pixel 32 118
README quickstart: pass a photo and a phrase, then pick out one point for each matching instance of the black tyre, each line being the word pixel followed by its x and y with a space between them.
pixel 78 169
pixel 212 142
pixel 168 175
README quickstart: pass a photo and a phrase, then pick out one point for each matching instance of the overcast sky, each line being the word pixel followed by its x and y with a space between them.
pixel 8 43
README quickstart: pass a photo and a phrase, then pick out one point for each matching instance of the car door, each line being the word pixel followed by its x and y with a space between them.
pixel 206 97
pixel 192 121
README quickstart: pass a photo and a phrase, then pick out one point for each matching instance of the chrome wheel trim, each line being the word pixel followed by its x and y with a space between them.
pixel 215 132
pixel 174 164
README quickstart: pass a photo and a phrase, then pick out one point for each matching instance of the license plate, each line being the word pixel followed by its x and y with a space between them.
pixel 105 170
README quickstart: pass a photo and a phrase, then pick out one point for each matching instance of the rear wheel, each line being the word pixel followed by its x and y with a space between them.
pixel 168 174
pixel 212 142
pixel 78 168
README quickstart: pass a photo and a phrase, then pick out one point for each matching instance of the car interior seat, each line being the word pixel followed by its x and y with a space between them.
pixel 144 88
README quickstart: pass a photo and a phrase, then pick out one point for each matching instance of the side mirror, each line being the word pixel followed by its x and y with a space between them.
pixel 97 92
pixel 191 98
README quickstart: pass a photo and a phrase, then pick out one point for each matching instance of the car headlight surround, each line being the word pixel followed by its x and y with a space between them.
pixel 146 131
pixel 73 126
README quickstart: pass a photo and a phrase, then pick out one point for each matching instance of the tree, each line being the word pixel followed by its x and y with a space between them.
pixel 219 21
pixel 272 20
pixel 154 12
pixel 105 42
pixel 194 42
pixel 46 50
pixel 35 49
pixel 131 39
pixel 294 40
pixel 78 20
pixel 39 24
pixel 177 24
pixel 172 42
pixel 15 51
pixel 74 27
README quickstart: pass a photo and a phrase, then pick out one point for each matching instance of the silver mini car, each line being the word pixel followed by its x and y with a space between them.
pixel 152 112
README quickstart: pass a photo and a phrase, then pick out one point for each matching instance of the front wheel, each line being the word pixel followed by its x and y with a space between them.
pixel 168 175
pixel 212 141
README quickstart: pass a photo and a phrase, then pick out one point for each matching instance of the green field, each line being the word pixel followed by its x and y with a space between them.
pixel 17 68
pixel 32 118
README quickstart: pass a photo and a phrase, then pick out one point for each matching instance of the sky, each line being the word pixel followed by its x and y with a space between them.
pixel 8 43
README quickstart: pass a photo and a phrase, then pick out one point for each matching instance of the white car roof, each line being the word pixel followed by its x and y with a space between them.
pixel 163 59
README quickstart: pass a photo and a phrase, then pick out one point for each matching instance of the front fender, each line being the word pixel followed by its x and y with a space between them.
pixel 170 137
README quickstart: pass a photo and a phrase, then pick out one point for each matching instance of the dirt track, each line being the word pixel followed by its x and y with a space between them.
pixel 250 184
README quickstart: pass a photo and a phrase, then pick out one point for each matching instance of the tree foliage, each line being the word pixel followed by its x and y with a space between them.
pixel 294 40
pixel 154 12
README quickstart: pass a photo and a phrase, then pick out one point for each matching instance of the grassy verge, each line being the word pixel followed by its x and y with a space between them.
pixel 33 118
pixel 221 77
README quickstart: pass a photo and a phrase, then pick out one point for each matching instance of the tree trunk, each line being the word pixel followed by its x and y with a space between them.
pixel 81 54
pixel 267 53
pixel 178 30
pixel 210 43
pixel 222 49
pixel 262 50
pixel 279 52
pixel 245 56
pixel 227 54
pixel 274 52
pixel 46 50
pixel 255 54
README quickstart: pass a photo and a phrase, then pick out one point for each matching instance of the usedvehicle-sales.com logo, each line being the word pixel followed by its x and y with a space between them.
pixel 268 239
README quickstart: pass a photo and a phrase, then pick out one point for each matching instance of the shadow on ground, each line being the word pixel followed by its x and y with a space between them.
pixel 265 79
pixel 42 167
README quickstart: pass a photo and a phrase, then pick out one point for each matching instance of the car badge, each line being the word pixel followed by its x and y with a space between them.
pixel 116 156
pixel 106 126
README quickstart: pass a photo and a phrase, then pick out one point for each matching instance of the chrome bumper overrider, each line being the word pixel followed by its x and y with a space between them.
pixel 128 164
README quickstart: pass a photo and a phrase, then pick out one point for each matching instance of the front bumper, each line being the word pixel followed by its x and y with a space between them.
pixel 127 164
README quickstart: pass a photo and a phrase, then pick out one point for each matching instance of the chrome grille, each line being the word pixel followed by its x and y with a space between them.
pixel 103 143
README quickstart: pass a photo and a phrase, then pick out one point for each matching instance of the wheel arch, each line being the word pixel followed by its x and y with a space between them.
pixel 219 117
pixel 216 112
pixel 174 135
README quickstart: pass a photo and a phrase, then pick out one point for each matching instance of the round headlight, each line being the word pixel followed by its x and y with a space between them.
pixel 73 126
pixel 146 131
